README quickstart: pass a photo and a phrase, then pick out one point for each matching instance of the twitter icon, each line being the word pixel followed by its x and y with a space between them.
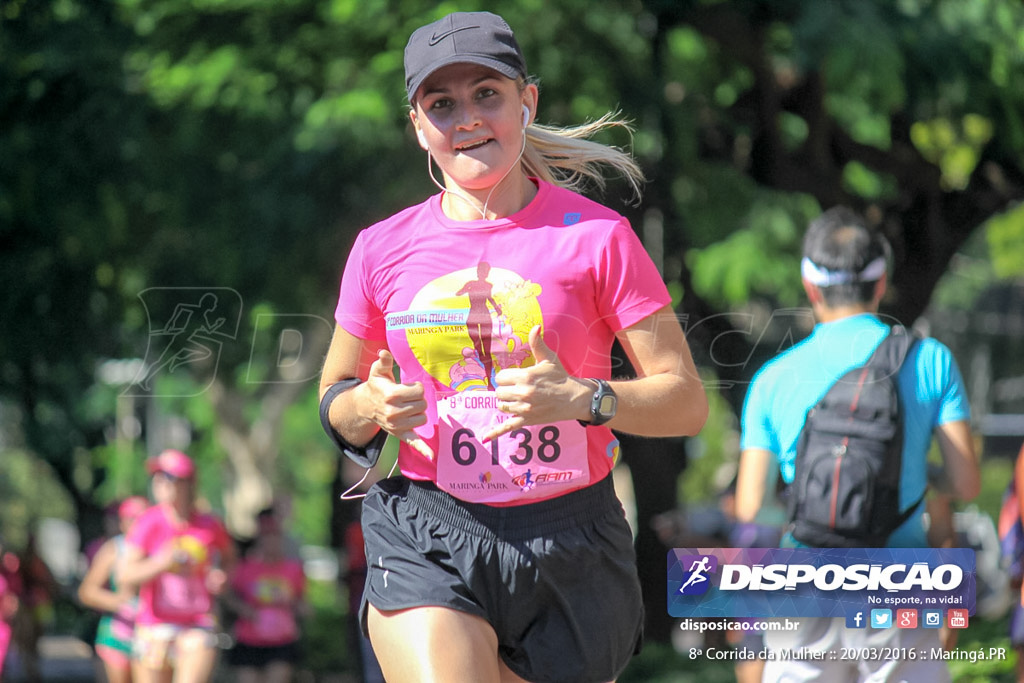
pixel 881 618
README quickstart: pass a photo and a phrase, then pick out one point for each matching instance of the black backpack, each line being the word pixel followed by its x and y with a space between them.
pixel 845 493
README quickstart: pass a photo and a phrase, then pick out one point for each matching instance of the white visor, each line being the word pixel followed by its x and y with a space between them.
pixel 820 277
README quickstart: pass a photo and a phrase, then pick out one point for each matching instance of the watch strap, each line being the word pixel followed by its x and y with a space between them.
pixel 601 390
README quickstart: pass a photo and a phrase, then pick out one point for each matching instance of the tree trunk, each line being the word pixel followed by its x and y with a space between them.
pixel 252 445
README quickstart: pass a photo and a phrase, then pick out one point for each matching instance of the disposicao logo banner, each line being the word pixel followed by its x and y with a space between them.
pixel 817 582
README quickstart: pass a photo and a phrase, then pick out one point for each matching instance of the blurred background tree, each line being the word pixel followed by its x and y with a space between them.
pixel 152 151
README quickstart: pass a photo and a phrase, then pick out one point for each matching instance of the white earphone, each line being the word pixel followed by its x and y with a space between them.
pixel 526 116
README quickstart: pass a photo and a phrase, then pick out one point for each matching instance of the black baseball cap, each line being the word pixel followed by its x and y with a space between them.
pixel 474 37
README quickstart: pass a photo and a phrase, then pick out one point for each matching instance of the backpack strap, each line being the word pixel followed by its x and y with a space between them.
pixel 909 512
pixel 889 357
pixel 892 350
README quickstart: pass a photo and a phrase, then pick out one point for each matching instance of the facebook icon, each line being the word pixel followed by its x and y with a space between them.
pixel 856 620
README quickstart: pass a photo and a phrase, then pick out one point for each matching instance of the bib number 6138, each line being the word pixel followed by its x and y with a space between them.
pixel 547 450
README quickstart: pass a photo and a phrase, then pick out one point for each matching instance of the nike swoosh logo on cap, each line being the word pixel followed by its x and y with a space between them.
pixel 435 39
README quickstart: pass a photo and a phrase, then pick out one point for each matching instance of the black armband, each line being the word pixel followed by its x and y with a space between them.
pixel 364 456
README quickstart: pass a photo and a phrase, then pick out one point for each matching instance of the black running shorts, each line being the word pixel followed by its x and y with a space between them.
pixel 259 657
pixel 556 579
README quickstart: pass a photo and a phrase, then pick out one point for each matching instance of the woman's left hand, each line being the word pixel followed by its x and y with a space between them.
pixel 540 394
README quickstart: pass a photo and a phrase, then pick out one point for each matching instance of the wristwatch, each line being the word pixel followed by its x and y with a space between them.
pixel 602 404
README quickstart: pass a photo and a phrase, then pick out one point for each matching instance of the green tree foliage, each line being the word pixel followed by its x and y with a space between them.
pixel 1006 243
pixel 21 472
pixel 899 109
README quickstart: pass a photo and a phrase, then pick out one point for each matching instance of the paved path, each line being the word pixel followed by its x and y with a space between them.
pixel 64 659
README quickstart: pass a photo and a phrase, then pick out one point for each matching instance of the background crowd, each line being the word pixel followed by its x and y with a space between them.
pixel 173 596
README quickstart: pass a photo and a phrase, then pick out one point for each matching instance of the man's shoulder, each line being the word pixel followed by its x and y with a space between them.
pixel 787 361
pixel 831 346
pixel 930 348
pixel 933 365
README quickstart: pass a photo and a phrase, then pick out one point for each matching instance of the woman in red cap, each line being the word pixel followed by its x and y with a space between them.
pixel 100 590
pixel 501 553
pixel 179 559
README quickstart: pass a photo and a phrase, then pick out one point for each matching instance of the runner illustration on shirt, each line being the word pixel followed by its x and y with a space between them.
pixel 467 325
pixel 478 322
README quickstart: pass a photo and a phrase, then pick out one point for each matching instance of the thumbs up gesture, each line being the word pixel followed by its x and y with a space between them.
pixel 539 394
pixel 397 408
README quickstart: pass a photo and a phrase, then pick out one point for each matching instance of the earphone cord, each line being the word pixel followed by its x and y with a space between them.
pixel 348 495
pixel 483 211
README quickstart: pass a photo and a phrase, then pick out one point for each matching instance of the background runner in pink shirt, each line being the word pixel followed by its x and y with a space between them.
pixel 268 595
pixel 179 559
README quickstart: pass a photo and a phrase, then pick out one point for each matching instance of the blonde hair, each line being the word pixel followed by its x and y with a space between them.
pixel 568 158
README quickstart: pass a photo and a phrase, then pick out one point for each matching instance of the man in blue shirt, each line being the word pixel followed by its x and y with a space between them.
pixel 844 273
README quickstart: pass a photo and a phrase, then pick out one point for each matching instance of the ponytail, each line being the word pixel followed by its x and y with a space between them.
pixel 568 158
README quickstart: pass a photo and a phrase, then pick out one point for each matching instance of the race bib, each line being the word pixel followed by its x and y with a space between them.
pixel 530 462
pixel 179 596
pixel 275 625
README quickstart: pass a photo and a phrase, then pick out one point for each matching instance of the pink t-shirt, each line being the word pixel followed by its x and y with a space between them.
pixel 5 628
pixel 179 596
pixel 273 590
pixel 455 302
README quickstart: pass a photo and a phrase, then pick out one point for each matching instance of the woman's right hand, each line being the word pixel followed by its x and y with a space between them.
pixel 171 558
pixel 129 607
pixel 397 408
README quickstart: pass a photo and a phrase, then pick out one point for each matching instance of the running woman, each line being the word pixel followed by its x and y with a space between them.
pixel 100 590
pixel 179 558
pixel 501 553
pixel 268 594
